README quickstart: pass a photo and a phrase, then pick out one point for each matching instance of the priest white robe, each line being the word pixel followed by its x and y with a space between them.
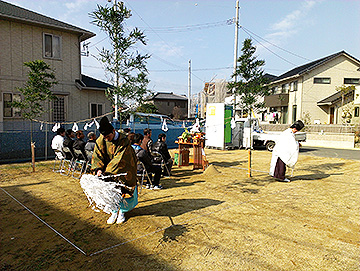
pixel 286 148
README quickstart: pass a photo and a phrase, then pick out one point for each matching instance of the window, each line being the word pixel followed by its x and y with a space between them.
pixel 322 80
pixel 10 111
pixel 59 109
pixel 294 113
pixel 352 81
pixel 285 88
pixel 295 86
pixel 356 113
pixel 52 46
pixel 96 110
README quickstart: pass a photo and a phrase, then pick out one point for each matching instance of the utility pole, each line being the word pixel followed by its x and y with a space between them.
pixel 236 48
pixel 189 91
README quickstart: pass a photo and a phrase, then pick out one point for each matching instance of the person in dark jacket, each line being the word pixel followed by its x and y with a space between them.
pixel 79 144
pixel 90 145
pixel 144 157
pixel 69 142
pixel 160 146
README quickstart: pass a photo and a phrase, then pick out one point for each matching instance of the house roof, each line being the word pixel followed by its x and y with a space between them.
pixel 14 13
pixel 271 77
pixel 167 96
pixel 333 98
pixel 312 65
pixel 88 82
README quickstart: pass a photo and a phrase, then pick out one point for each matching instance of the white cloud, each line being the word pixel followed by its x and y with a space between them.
pixel 291 23
pixel 167 50
pixel 74 6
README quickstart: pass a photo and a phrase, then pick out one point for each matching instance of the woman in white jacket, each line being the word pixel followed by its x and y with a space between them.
pixel 286 152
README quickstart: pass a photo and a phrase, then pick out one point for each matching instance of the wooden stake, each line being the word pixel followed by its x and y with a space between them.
pixel 33 155
pixel 249 163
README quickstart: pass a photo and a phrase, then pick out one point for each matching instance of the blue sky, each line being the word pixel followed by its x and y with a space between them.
pixel 286 33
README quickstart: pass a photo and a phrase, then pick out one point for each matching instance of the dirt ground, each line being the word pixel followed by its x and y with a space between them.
pixel 217 220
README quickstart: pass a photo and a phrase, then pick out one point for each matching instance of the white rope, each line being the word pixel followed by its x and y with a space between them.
pixel 151 233
pixel 187 221
pixel 44 222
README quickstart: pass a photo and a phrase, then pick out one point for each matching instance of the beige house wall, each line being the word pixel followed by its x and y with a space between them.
pixel 337 69
pixel 21 43
pixel 308 93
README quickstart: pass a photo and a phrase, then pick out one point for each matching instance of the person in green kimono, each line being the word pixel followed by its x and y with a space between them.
pixel 112 155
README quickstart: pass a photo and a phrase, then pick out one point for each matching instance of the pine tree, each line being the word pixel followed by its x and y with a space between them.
pixel 37 90
pixel 251 84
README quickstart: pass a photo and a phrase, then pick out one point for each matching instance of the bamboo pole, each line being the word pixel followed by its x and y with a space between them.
pixel 249 162
pixel 33 155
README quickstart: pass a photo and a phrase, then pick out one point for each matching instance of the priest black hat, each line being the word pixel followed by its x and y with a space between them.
pixel 298 125
pixel 105 126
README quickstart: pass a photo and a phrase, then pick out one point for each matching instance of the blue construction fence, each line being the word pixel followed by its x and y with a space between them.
pixel 15 142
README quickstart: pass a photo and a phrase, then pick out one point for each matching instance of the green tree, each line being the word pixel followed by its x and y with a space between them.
pixel 147 108
pixel 126 66
pixel 250 85
pixel 346 111
pixel 37 90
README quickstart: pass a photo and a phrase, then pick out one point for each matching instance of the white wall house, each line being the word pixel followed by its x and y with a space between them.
pixel 310 91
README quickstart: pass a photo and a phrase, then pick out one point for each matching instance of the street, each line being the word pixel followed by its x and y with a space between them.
pixel 330 152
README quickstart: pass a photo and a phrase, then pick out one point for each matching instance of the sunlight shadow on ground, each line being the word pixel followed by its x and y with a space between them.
pixel 174 207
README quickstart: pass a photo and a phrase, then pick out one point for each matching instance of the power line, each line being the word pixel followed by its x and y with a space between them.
pixel 245 29
pixel 176 29
pixel 267 48
pixel 159 36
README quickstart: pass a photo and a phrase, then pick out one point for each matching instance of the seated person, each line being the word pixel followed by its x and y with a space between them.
pixel 58 142
pixel 130 136
pixel 143 156
pixel 90 145
pixel 147 143
pixel 79 144
pixel 69 142
pixel 160 146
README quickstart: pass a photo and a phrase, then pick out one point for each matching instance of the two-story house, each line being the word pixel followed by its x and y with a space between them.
pixel 170 104
pixel 27 36
pixel 311 91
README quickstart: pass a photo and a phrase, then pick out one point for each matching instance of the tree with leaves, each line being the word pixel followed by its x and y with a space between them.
pixel 250 85
pixel 37 90
pixel 126 66
pixel 346 110
pixel 147 108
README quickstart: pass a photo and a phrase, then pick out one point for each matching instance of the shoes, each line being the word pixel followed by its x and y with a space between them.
pixel 112 218
pixel 286 180
pixel 156 187
pixel 121 218
pixel 147 186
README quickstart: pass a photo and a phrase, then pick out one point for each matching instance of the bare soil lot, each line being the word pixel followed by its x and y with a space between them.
pixel 217 220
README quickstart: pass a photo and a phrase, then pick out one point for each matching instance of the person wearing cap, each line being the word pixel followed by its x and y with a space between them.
pixel 112 155
pixel 285 152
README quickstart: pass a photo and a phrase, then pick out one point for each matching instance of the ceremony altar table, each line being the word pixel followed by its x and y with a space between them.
pixel 184 150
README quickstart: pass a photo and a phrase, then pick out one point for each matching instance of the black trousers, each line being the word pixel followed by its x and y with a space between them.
pixel 280 169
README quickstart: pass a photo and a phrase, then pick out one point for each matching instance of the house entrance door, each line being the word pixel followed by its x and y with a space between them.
pixel 332 113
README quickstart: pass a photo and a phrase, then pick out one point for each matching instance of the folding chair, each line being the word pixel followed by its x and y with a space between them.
pixel 162 163
pixel 141 175
pixel 68 161
pixel 59 157
pixel 79 164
